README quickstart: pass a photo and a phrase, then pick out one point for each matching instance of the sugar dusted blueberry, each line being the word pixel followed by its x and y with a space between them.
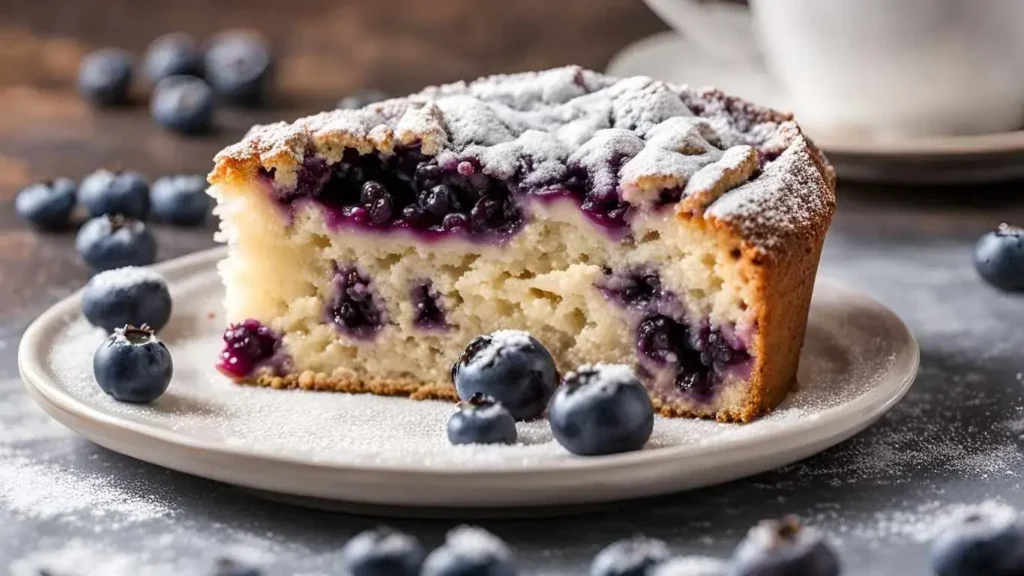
pixel 986 539
pixel 999 257
pixel 601 409
pixel 130 295
pixel 382 552
pixel 105 76
pixel 470 551
pixel 132 365
pixel 481 420
pixel 47 205
pixel 691 566
pixel 121 192
pixel 510 366
pixel 631 557
pixel 170 55
pixel 182 104
pixel 238 65
pixel 784 548
pixel 180 200
pixel 108 242
pixel 356 309
pixel 248 346
pixel 361 98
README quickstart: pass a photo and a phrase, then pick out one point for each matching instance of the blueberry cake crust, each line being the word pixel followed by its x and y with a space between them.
pixel 617 220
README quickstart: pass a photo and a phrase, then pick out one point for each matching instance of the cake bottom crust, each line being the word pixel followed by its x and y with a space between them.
pixel 415 390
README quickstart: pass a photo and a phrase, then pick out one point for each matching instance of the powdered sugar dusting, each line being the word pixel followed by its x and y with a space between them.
pixel 500 342
pixel 122 278
pixel 691 566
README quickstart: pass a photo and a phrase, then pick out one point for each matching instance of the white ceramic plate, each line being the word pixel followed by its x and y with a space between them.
pixel 858 361
pixel 856 155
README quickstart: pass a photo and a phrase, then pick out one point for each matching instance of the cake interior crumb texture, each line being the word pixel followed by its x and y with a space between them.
pixel 630 221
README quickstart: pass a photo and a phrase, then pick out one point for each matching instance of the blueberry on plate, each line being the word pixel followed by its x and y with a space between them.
pixel 170 55
pixel 132 365
pixel 986 539
pixel 105 76
pixel 183 104
pixel 361 98
pixel 180 200
pixel 48 204
pixel 601 409
pixel 121 192
pixel 510 366
pixel 382 552
pixel 130 295
pixel 784 548
pixel 232 567
pixel 239 65
pixel 999 257
pixel 470 551
pixel 691 566
pixel 481 420
pixel 631 557
pixel 108 242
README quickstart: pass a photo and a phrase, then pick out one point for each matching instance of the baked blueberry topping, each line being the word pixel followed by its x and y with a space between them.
pixel 631 557
pixel 427 303
pixel 133 365
pixel 510 366
pixel 481 420
pixel 361 98
pixel 470 551
pixel 47 205
pixel 601 409
pixel 131 295
pixel 182 104
pixel 170 55
pixel 238 65
pixel 439 201
pixel 382 552
pixel 985 540
pixel 108 242
pixel 355 308
pixel 180 200
pixel 999 257
pixel 784 548
pixel 121 192
pixel 105 76
pixel 247 346
pixel 378 202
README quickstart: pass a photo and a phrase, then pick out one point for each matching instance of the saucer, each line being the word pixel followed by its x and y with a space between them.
pixel 856 154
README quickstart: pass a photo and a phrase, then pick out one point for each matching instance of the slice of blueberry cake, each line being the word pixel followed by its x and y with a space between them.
pixel 616 220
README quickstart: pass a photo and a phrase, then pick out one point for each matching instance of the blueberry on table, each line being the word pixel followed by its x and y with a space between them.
pixel 183 104
pixel 470 551
pixel 362 98
pixel 238 65
pixel 109 242
pixel 510 366
pixel 999 257
pixel 170 55
pixel 180 200
pixel 105 76
pixel 130 295
pixel 481 420
pixel 784 548
pixel 47 205
pixel 631 557
pixel 121 192
pixel 132 365
pixel 601 409
pixel 985 540
pixel 382 552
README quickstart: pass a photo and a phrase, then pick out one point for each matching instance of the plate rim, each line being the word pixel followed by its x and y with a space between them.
pixel 866 408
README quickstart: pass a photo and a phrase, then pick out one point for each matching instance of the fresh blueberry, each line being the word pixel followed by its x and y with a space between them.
pixel 378 202
pixel 382 552
pixel 48 204
pixel 238 66
pixel 470 551
pixel 601 409
pixel 691 566
pixel 133 365
pixel 999 257
pixel 170 55
pixel 130 295
pixel 481 420
pixel 105 76
pixel 631 557
pixel 182 104
pixel 122 192
pixel 784 548
pixel 231 567
pixel 987 540
pixel 108 242
pixel 180 200
pixel 362 98
pixel 511 367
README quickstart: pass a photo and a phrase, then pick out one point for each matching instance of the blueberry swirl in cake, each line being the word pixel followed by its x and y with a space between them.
pixel 674 229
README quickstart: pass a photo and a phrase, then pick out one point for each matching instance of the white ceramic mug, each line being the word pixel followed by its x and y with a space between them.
pixel 892 67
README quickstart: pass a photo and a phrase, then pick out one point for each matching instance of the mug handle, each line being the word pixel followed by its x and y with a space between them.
pixel 721 28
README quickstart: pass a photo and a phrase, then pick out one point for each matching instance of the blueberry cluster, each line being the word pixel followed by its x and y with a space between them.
pixel 248 345
pixel 117 203
pixel 187 81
